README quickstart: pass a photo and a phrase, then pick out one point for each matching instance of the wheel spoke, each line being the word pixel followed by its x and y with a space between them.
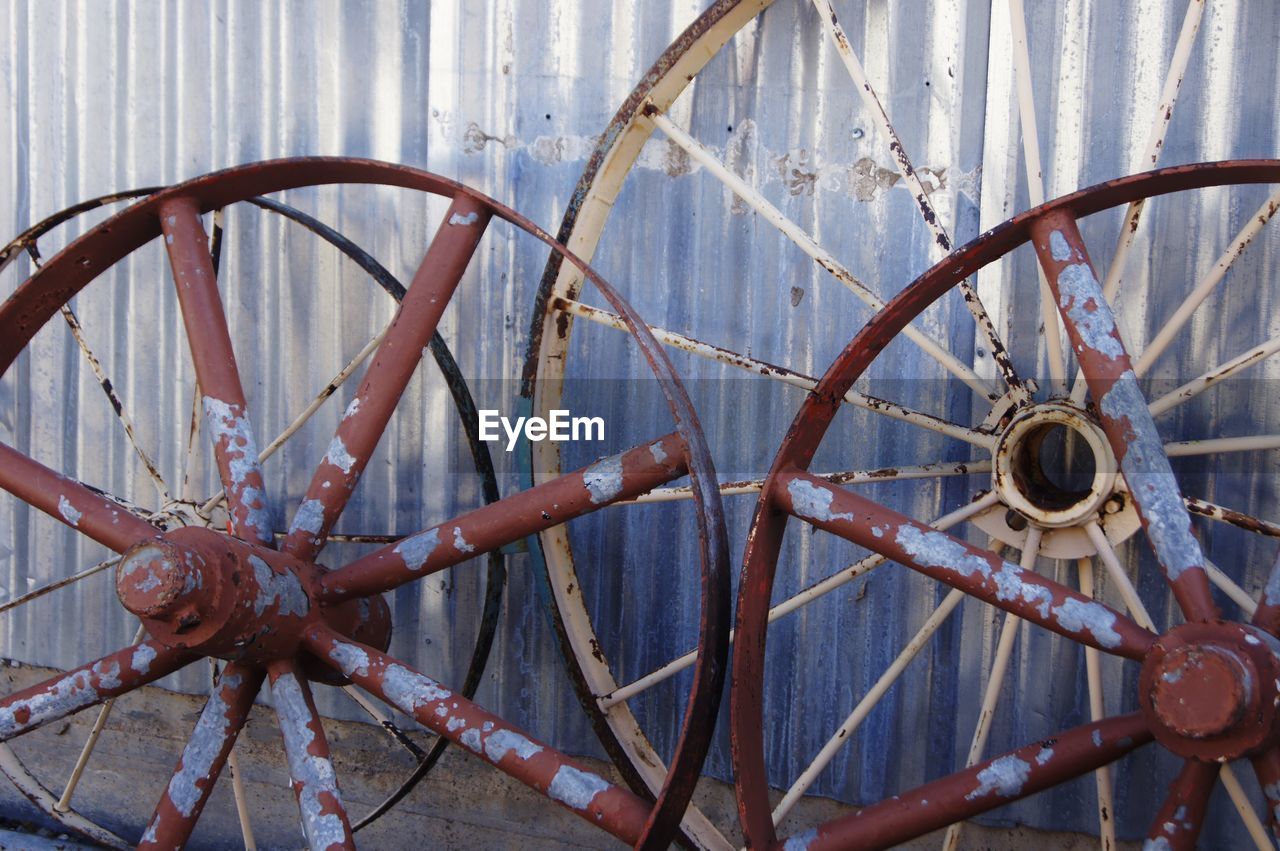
pixel 1177 825
pixel 485 529
pixel 1214 376
pixel 324 819
pixel 1035 186
pixel 1248 816
pixel 1128 424
pixel 995 680
pixel 941 241
pixel 88 512
pixel 54 586
pixel 1111 561
pixel 1206 286
pixel 977 572
pixel 88 685
pixel 1236 518
pixel 791 604
pixel 781 373
pixel 870 700
pixel 937 469
pixel 384 381
pixel 1266 766
pixel 485 735
pixel 809 246
pixel 37 794
pixel 983 787
pixel 1093 672
pixel 223 402
pixel 1218 445
pixel 207 750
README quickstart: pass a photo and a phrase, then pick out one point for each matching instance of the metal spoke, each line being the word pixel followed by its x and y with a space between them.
pixel 1217 445
pixel 1093 672
pixel 1215 376
pixel 809 246
pixel 995 679
pixel 61 583
pixel 1248 816
pixel 791 604
pixel 1236 518
pixel 780 373
pixel 1177 825
pixel 36 793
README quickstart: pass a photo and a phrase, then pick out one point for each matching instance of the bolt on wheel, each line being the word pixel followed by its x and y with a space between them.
pixel 1206 689
pixel 270 608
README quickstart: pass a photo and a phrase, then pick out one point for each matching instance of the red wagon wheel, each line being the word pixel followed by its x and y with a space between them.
pixel 1207 690
pixel 274 612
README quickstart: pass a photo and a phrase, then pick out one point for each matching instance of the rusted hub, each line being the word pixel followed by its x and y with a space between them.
pixel 1210 691
pixel 1053 465
pixel 201 590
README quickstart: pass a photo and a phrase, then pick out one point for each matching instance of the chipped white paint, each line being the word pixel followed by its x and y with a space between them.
pixel 309 518
pixel 68 511
pixel 108 674
pixel 603 479
pixel 812 502
pixel 502 742
pixel 312 775
pixel 206 742
pixel 415 549
pixel 1097 738
pixel 278 589
pixel 659 454
pixel 460 543
pixel 230 423
pixel 1079 616
pixel 1005 777
pixel 575 788
pixel 351 659
pixel 470 739
pixel 1044 756
pixel 1157 844
pixel 936 549
pixel 1150 478
pixel 66 695
pixel 1077 290
pixel 464 220
pixel 455 724
pixel 338 456
pixel 1058 247
pixel 802 841
pixel 352 408
pixel 143 655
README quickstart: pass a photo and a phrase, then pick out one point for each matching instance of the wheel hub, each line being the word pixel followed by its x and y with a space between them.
pixel 201 590
pixel 1210 690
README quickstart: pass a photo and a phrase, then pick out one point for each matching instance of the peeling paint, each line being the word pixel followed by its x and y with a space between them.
pixel 415 549
pixel 471 740
pixel 812 502
pixel 575 788
pixel 338 456
pixel 467 219
pixel 1097 738
pixel 310 517
pixel 460 543
pixel 312 775
pixel 1094 618
pixel 279 589
pixel 68 511
pixel 1058 247
pixel 603 479
pixel 936 549
pixel 210 734
pixel 64 696
pixel 350 659
pixel 802 841
pixel 1077 288
pixel 659 454
pixel 1005 777
pixel 143 655
pixel 502 742
pixel 1044 756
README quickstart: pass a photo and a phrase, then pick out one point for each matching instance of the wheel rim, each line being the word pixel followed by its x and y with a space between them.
pixel 280 604
pixel 656 97
pixel 1215 653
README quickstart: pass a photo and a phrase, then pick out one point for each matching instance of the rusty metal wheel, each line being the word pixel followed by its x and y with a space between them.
pixel 757 156
pixel 1206 690
pixel 274 612
pixel 59 806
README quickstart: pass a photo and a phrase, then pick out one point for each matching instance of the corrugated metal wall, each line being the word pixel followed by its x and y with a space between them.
pixel 508 96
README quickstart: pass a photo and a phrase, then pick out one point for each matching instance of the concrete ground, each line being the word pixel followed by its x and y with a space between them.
pixel 462 804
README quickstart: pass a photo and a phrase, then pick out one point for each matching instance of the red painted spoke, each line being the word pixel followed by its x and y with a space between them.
pixel 388 374
pixel 89 513
pixel 88 685
pixel 975 571
pixel 983 787
pixel 203 758
pixel 485 735
pixel 223 404
pixel 1267 768
pixel 324 819
pixel 607 481
pixel 1177 825
pixel 1128 424
pixel 1267 614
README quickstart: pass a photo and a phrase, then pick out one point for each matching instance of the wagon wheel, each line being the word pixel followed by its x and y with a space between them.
pixel 1207 690
pixel 59 806
pixel 273 611
pixel 700 112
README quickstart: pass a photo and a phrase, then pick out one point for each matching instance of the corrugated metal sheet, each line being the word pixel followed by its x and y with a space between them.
pixel 508 96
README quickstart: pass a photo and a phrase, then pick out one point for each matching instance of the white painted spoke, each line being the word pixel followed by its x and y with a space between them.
pixel 809 246
pixel 1119 576
pixel 782 374
pixel 869 701
pixel 799 600
pixel 1213 446
pixel 1093 669
pixel 1248 816
pixel 1214 376
pixel 1035 188
pixel 61 583
pixel 853 477
pixel 1238 595
pixel 1205 287
pixel 995 682
pixel 1225 515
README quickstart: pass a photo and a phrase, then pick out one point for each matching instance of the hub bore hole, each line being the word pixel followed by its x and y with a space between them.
pixel 1054 467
